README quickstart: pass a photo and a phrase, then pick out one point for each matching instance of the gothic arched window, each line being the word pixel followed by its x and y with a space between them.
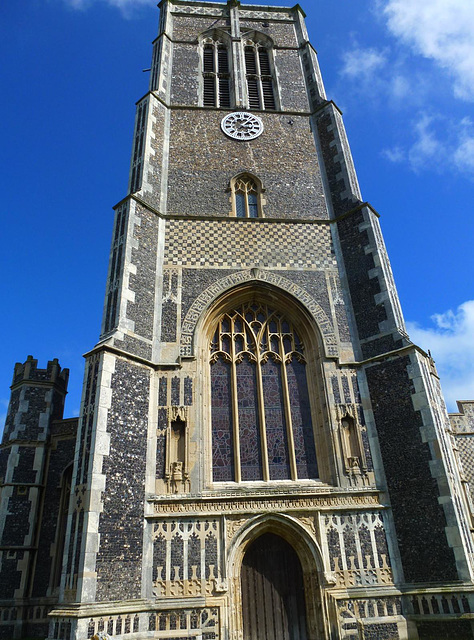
pixel 258 71
pixel 246 192
pixel 215 73
pixel 261 416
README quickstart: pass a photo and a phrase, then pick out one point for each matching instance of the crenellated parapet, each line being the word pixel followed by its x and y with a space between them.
pixel 29 372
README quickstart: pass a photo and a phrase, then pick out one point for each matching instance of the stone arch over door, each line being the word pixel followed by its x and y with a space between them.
pixel 289 534
pixel 259 276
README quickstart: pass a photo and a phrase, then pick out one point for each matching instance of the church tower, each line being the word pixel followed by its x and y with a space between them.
pixel 262 452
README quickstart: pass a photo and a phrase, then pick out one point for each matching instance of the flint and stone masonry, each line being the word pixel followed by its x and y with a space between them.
pixel 262 452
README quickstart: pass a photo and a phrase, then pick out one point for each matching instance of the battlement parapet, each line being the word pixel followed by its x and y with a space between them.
pixel 29 372
pixel 463 420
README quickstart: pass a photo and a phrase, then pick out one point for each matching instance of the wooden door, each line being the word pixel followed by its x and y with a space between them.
pixel 273 603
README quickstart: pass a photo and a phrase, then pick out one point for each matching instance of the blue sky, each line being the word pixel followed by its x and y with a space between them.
pixel 402 71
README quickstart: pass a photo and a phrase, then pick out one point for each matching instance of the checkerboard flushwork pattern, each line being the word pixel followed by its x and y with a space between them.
pixel 224 243
pixel 465 445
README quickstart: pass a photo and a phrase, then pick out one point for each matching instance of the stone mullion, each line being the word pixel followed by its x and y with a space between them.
pixel 168 568
pixel 259 78
pixel 360 557
pixel 216 73
pixel 202 570
pixel 217 568
pixel 289 424
pixel 340 530
pixel 261 414
pixel 185 575
pixel 246 193
pixel 377 561
pixel 235 412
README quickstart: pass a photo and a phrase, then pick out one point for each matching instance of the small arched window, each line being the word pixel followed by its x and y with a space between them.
pixel 261 418
pixel 259 75
pixel 246 196
pixel 215 73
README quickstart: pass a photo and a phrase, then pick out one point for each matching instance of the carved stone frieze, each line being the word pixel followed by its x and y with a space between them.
pixel 265 504
pixel 266 15
pixel 202 11
pixel 186 588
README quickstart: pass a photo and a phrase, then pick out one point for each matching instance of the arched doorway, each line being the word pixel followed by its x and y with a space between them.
pixel 273 599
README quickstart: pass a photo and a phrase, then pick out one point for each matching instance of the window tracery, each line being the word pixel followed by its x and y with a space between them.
pixel 261 417
pixel 246 194
pixel 215 73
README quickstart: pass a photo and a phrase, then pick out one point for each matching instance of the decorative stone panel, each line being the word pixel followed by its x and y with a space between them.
pixel 186 558
pixel 357 549
pixel 266 15
pixel 367 618
pixel 245 244
pixel 199 623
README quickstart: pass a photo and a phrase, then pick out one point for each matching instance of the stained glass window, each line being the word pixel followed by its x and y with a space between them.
pixel 261 415
pixel 276 428
pixel 222 427
pixel 249 427
pixel 301 419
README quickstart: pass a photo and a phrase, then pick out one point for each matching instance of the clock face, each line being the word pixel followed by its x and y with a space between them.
pixel 242 125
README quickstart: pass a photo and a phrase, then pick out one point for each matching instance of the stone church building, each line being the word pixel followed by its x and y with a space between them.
pixel 262 452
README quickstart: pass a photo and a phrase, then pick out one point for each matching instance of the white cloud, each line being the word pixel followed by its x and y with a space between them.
pixel 451 342
pixel 365 63
pixel 383 77
pixel 395 154
pixel 438 144
pixel 441 31
pixel 400 86
pixel 464 154
pixel 427 150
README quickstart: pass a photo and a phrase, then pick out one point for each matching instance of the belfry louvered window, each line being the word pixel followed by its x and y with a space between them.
pixel 216 74
pixel 261 416
pixel 259 76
